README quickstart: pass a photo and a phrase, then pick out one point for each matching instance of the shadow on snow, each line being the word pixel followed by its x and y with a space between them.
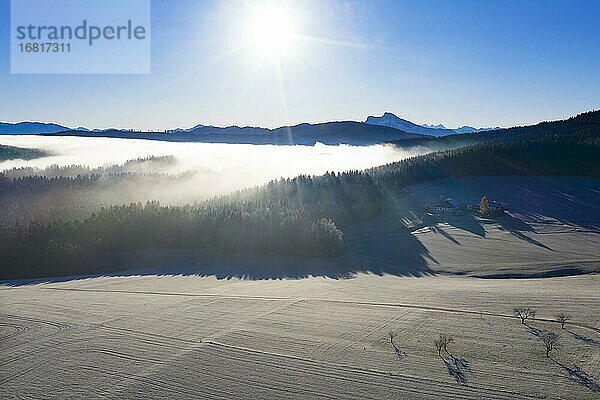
pixel 404 255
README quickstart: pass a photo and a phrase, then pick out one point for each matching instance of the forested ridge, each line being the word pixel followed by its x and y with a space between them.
pixel 585 124
pixel 292 217
pixel 304 216
pixel 11 153
pixel 551 155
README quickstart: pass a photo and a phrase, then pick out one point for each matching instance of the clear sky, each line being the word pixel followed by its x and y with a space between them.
pixel 480 63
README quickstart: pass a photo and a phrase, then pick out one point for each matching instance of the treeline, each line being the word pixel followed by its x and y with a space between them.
pixel 542 156
pixel 101 242
pixel 585 124
pixel 13 153
pixel 347 198
pixel 44 198
pixel 559 148
pixel 289 217
pixel 145 165
pixel 75 191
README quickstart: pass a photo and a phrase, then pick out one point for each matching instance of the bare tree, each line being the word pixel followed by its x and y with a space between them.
pixel 562 319
pixel 551 341
pixel 400 354
pixel 524 313
pixel 442 342
pixel 439 345
pixel 393 336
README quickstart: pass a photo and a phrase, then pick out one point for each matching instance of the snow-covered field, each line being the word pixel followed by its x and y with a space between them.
pixel 189 336
pixel 552 228
pixel 323 332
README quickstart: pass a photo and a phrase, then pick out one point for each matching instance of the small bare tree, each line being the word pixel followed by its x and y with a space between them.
pixel 524 313
pixel 393 336
pixel 551 341
pixel 399 353
pixel 562 319
pixel 442 342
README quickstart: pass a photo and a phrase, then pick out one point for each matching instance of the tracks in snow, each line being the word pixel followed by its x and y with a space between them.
pixel 329 369
pixel 351 302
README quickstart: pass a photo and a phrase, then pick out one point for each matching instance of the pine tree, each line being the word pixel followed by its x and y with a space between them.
pixel 484 207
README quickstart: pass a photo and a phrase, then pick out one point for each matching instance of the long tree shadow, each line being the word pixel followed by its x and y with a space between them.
pixel 400 254
pixel 528 239
pixel 585 339
pixel 535 331
pixel 458 368
pixel 439 230
pixel 505 222
pixel 397 352
pixel 578 375
pixel 516 227
pixel 575 373
pixel 465 222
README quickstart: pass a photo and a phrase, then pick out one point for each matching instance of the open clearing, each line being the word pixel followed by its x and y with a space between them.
pixel 182 336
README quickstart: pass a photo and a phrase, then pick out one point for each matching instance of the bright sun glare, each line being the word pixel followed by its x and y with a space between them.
pixel 272 30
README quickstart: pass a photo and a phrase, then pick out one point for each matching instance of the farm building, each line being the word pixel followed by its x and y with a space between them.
pixel 445 206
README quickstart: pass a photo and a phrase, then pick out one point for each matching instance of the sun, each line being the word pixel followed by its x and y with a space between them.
pixel 272 30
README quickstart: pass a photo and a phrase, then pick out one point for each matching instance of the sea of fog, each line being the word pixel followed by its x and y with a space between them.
pixel 219 168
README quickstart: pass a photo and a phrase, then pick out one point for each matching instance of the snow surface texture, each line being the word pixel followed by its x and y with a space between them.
pixel 182 337
pixel 184 334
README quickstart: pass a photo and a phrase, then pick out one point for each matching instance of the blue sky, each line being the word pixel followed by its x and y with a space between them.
pixel 481 63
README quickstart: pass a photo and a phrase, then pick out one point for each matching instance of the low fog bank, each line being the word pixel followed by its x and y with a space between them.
pixel 82 174
pixel 196 170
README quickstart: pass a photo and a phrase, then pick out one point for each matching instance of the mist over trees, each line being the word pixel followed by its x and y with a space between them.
pixel 11 153
pixel 72 220
pixel 289 217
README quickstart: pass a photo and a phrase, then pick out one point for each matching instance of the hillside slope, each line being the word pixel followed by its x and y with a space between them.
pixel 583 125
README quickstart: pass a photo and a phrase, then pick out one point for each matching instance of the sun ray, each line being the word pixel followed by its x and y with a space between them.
pixel 283 100
pixel 340 43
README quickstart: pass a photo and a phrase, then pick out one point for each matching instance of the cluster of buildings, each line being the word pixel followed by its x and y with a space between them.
pixel 450 206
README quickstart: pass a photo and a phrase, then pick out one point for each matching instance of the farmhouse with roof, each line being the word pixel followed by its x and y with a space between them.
pixel 445 206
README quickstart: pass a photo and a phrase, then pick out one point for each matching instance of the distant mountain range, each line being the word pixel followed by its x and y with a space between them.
pixel 462 129
pixel 332 133
pixel 387 128
pixel 26 128
pixel 393 121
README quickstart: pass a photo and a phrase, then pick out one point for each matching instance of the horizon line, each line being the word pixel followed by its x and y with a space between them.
pixel 286 126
